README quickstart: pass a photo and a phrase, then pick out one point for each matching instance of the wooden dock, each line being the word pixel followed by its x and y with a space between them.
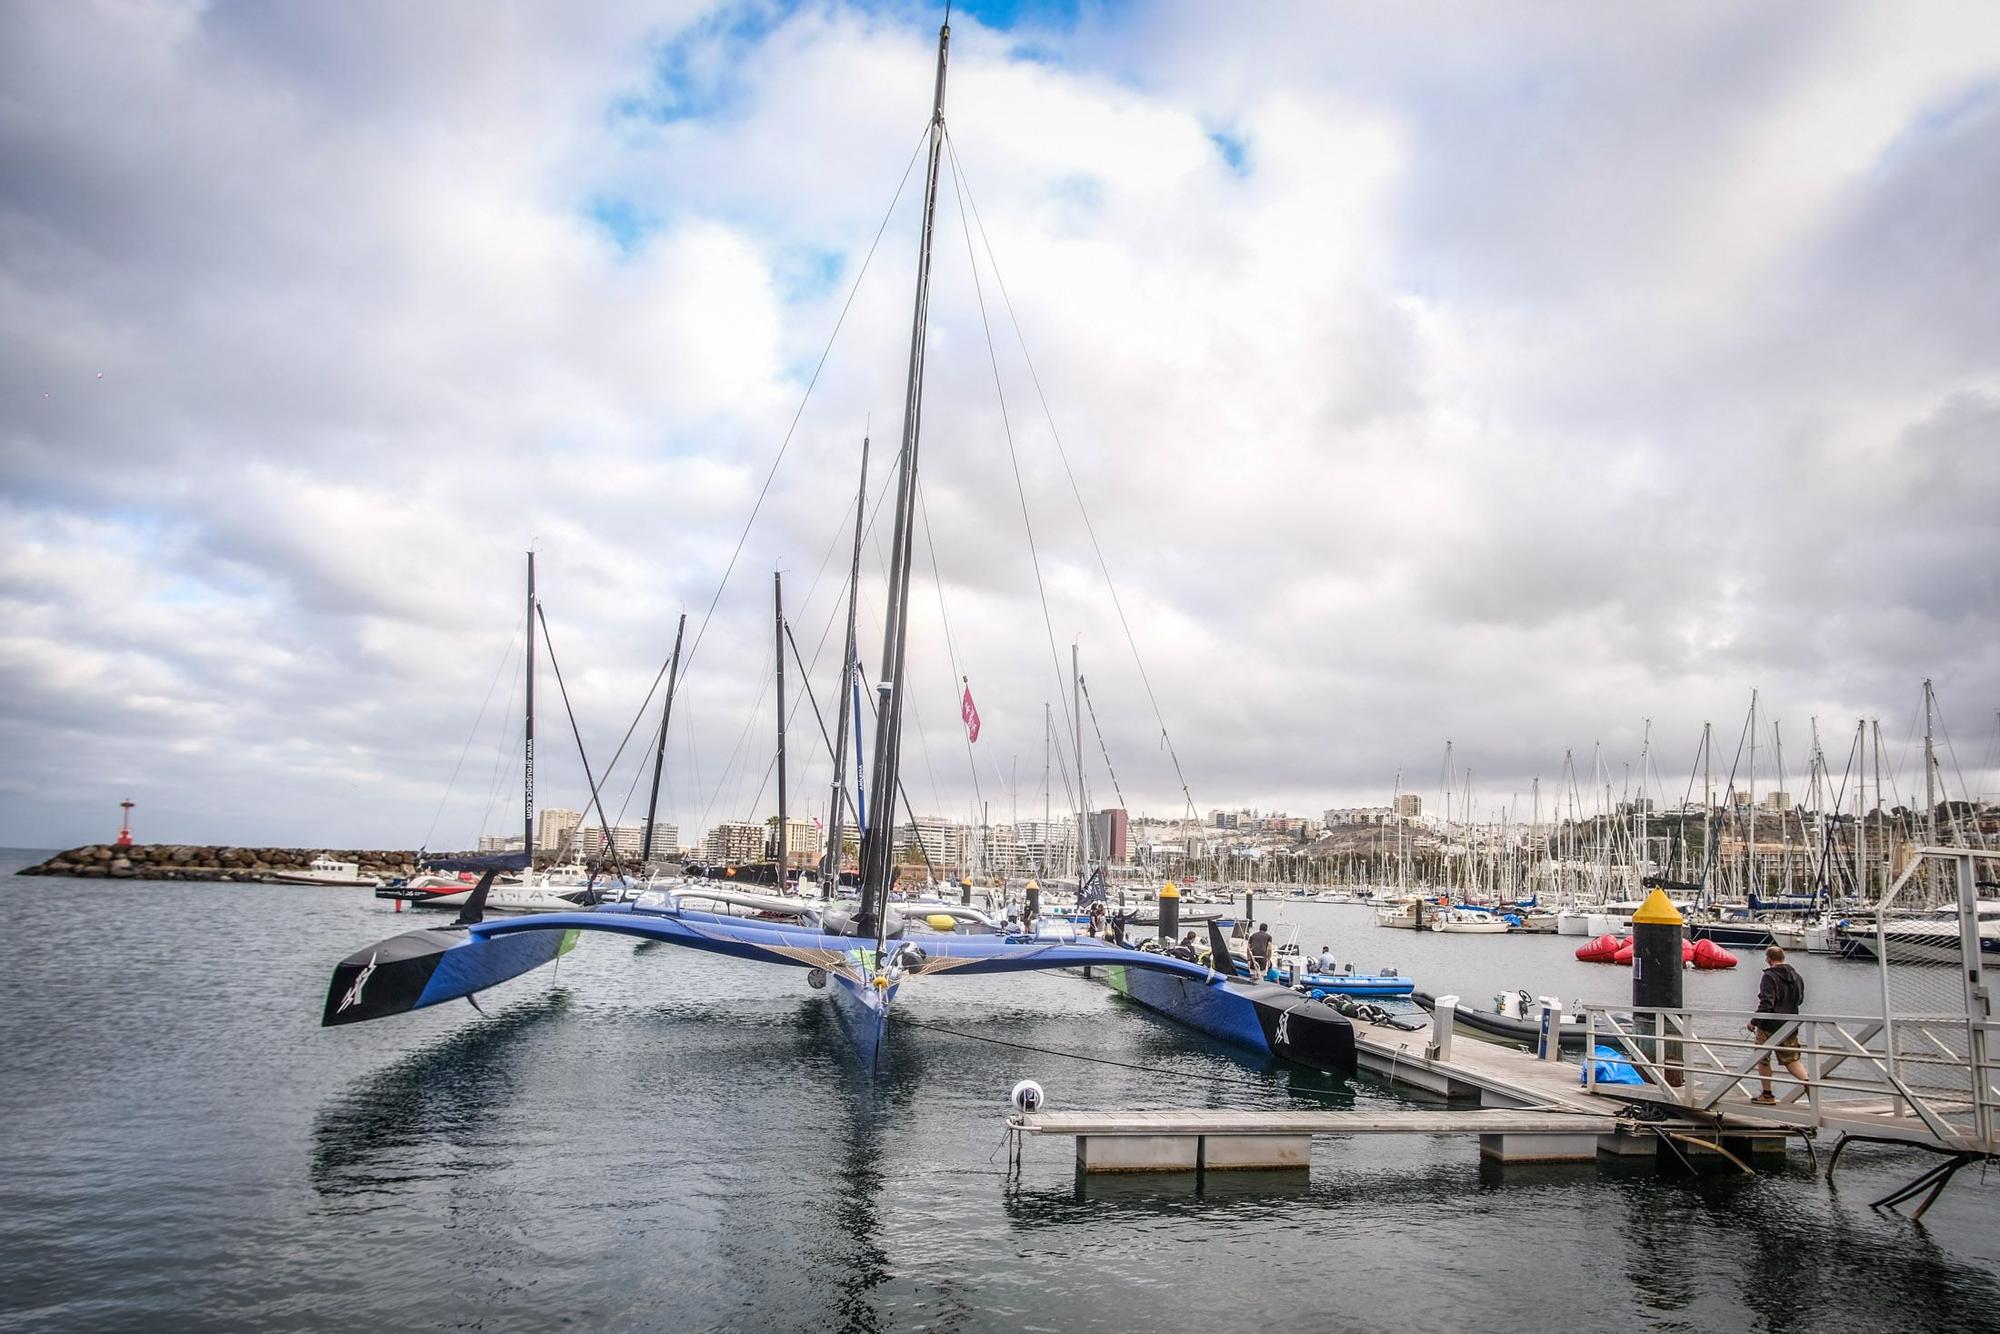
pixel 1189 1141
pixel 1528 1110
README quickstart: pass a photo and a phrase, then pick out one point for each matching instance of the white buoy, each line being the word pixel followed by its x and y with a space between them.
pixel 1027 1097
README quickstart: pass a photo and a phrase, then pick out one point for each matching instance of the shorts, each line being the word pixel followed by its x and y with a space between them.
pixel 1788 1050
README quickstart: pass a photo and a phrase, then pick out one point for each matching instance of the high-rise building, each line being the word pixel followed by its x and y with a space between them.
pixel 935 839
pixel 1109 831
pixel 1410 806
pixel 804 841
pixel 499 842
pixel 734 841
pixel 666 840
pixel 1046 845
pixel 553 828
pixel 626 840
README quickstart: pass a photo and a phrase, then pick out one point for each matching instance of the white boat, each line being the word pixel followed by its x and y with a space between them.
pixel 324 870
pixel 1400 914
pixel 1466 922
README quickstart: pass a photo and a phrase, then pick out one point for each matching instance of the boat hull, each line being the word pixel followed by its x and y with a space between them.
pixel 863 1012
pixel 422 968
pixel 1256 1016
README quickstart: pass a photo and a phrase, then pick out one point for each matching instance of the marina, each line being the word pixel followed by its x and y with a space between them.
pixel 720 1136
pixel 1041 667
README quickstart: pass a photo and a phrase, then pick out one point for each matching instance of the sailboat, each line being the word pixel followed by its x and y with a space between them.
pixel 441 883
pixel 863 956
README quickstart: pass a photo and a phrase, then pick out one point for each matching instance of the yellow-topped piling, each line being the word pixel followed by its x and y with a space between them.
pixel 1657 910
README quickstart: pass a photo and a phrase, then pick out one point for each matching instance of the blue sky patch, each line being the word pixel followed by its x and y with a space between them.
pixel 1235 152
pixel 624 222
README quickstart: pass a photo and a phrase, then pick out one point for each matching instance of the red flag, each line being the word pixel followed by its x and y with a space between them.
pixel 970 712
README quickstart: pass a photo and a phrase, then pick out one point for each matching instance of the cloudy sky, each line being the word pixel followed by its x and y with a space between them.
pixel 1507 374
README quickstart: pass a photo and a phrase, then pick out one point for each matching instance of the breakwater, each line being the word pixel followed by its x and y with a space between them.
pixel 205 861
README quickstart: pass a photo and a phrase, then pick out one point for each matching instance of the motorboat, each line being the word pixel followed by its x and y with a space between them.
pixel 324 870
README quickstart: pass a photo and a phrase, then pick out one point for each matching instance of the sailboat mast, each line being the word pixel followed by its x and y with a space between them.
pixel 830 880
pixel 660 755
pixel 895 634
pixel 528 734
pixel 1082 800
pixel 778 848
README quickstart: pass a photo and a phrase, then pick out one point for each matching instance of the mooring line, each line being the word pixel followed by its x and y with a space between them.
pixel 1101 1060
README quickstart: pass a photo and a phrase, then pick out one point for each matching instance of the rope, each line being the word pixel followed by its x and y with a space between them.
pixel 1261 1085
pixel 1084 687
pixel 950 647
pixel 450 783
pixel 1103 565
pixel 687 661
pixel 1007 426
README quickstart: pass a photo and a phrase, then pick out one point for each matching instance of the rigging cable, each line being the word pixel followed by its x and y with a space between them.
pixel 548 642
pixel 452 782
pixel 1103 565
pixel 1083 687
pixel 687 663
pixel 1007 426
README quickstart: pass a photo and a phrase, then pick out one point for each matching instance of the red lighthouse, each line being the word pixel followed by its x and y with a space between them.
pixel 125 827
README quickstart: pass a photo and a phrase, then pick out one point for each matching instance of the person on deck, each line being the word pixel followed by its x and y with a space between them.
pixel 1097 918
pixel 1780 993
pixel 1324 963
pixel 1184 949
pixel 1259 951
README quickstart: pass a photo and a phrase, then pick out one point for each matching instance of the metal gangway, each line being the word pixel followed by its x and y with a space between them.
pixel 1924 1071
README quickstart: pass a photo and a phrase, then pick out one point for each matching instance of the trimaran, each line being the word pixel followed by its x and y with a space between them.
pixel 863 958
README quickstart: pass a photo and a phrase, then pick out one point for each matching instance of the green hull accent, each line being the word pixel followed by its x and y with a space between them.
pixel 568 942
pixel 1114 977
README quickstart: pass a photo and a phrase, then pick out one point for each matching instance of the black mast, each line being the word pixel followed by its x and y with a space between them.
pixel 778 611
pixel 830 878
pixel 528 737
pixel 879 856
pixel 660 755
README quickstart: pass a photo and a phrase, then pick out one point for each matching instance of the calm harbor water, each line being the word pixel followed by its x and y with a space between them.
pixel 655 1140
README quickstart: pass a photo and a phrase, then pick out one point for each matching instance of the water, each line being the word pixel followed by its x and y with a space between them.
pixel 657 1140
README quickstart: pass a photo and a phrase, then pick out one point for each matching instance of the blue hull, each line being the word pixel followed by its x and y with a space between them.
pixel 1256 1016
pixel 863 1012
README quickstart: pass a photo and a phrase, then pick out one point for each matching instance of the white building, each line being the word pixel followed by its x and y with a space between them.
pixel 734 841
pixel 553 828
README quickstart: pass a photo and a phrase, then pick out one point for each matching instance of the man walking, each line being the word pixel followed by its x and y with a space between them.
pixel 1259 951
pixel 1780 993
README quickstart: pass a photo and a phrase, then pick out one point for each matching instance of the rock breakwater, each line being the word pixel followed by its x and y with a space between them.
pixel 205 861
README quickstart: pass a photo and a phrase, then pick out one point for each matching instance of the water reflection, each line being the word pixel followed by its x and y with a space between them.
pixel 436 1095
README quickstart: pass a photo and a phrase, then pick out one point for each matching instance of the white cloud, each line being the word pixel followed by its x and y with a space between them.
pixel 1529 375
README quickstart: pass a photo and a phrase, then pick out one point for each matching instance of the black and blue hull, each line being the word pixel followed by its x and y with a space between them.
pixel 1259 1017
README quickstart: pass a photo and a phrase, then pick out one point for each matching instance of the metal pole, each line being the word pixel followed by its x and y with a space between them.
pixel 1978 1005
pixel 779 848
pixel 660 755
pixel 528 737
pixel 895 633
pixel 830 877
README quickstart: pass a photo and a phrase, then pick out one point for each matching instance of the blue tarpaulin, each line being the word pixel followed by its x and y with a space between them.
pixel 1610 1067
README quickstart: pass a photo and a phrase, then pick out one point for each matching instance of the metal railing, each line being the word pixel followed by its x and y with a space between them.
pixel 1922 1077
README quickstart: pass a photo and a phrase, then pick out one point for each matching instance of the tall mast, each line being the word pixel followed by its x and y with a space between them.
pixel 1751 884
pixel 1048 745
pixel 895 633
pixel 779 848
pixel 1861 809
pixel 528 735
pixel 1707 806
pixel 1930 770
pixel 830 879
pixel 1082 799
pixel 660 755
